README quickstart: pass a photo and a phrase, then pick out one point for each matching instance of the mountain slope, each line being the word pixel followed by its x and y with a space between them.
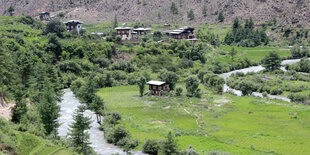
pixel 288 12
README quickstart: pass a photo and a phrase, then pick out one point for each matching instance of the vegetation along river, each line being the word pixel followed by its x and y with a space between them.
pixel 70 103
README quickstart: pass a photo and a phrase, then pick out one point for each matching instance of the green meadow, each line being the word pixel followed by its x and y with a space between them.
pixel 253 53
pixel 239 125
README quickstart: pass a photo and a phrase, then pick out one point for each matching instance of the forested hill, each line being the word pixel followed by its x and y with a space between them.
pixel 288 12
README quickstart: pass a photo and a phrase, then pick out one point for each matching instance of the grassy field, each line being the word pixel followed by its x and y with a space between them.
pixel 239 125
pixel 253 53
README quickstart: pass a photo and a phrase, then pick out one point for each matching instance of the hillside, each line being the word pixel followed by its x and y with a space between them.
pixel 288 12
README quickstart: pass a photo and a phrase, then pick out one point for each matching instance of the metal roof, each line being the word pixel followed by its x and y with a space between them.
pixel 73 21
pixel 142 29
pixel 123 28
pixel 157 83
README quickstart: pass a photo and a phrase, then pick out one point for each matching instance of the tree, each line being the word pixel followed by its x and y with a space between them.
pixel 49 110
pixel 191 15
pixel 249 24
pixel 151 146
pixel 78 131
pixel 54 26
pixel 11 10
pixel 169 146
pixel 204 11
pixel 6 72
pixel 221 17
pixel 157 36
pixel 272 61
pixel 232 54
pixel 54 46
pixel 141 83
pixel 192 84
pixel 20 107
pixel 247 87
pixel 173 8
pixel 115 22
pixel 97 106
pixel 169 77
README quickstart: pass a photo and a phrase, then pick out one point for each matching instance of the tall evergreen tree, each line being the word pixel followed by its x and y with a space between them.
pixel 173 8
pixel 49 110
pixel 204 11
pixel 97 106
pixel 221 17
pixel 78 131
pixel 11 10
pixel 191 15
pixel 141 83
pixel 169 146
pixel 115 22
pixel 20 107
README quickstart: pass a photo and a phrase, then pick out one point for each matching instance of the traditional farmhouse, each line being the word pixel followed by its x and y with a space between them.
pixel 44 15
pixel 125 32
pixel 156 87
pixel 74 25
pixel 181 33
pixel 142 31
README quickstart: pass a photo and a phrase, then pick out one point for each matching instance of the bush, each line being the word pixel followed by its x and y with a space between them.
pixel 151 146
pixel 178 91
pixel 276 91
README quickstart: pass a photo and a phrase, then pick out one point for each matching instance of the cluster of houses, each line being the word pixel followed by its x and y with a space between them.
pixel 129 33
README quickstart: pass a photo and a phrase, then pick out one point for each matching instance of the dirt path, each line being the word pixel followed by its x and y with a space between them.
pixel 5 112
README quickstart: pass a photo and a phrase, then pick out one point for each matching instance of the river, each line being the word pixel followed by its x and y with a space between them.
pixel 257 69
pixel 68 105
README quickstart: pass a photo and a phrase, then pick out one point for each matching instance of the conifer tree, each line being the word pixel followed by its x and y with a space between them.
pixel 78 131
pixel 191 15
pixel 11 10
pixel 221 17
pixel 169 146
pixel 115 22
pixel 141 83
pixel 49 110
pixel 173 8
pixel 20 107
pixel 204 11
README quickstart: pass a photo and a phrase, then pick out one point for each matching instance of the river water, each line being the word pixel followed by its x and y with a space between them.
pixel 256 69
pixel 68 105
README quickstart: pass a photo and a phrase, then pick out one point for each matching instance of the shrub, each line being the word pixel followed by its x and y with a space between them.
pixel 276 91
pixel 178 91
pixel 151 146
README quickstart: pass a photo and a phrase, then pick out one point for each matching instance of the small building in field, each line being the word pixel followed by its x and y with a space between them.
pixel 142 31
pixel 74 25
pixel 156 87
pixel 44 15
pixel 124 32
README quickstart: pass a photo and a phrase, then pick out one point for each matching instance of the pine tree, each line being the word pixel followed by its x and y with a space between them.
pixel 97 106
pixel 204 11
pixel 115 22
pixel 49 110
pixel 173 8
pixel 221 17
pixel 169 146
pixel 191 15
pixel 78 131
pixel 159 16
pixel 272 61
pixel 141 83
pixel 11 10
pixel 20 107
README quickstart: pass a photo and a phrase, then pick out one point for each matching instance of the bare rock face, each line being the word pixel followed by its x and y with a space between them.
pixel 287 12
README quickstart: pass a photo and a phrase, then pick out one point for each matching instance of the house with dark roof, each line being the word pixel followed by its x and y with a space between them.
pixel 186 33
pixel 44 15
pixel 74 25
